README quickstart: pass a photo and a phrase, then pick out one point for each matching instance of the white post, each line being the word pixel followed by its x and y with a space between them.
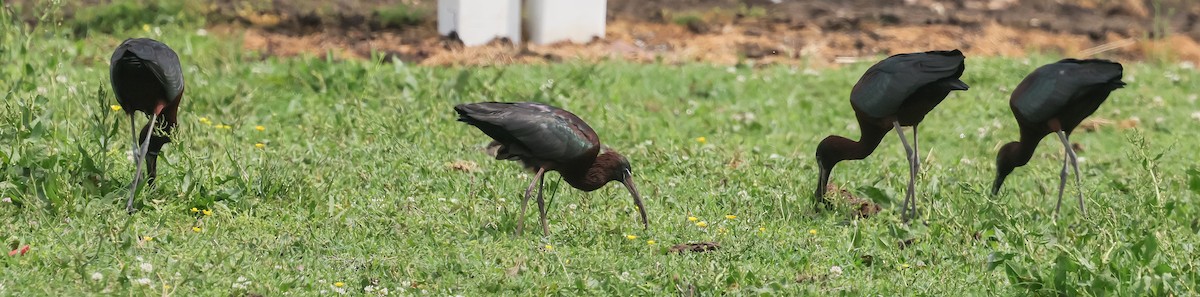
pixel 578 21
pixel 478 22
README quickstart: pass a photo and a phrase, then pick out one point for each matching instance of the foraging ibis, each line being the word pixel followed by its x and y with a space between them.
pixel 1055 98
pixel 546 138
pixel 146 77
pixel 898 91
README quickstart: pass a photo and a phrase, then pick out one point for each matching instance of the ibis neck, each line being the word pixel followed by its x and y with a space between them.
pixel 1012 155
pixel 835 149
pixel 601 171
pixel 165 122
pixel 842 149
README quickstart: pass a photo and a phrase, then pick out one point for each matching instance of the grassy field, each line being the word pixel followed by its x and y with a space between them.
pixel 355 189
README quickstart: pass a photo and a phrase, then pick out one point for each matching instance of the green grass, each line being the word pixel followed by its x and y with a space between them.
pixel 354 183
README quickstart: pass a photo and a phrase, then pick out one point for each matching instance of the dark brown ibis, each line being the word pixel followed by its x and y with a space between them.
pixel 1055 98
pixel 898 91
pixel 146 77
pixel 546 138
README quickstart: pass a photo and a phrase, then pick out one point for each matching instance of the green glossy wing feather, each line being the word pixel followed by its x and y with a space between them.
pixel 158 57
pixel 1051 88
pixel 532 130
pixel 886 85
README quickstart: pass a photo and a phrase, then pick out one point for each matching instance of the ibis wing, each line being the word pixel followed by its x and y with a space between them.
pixel 159 58
pixel 886 85
pixel 532 130
pixel 1051 88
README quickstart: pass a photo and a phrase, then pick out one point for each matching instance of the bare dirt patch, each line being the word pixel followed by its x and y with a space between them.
pixel 809 33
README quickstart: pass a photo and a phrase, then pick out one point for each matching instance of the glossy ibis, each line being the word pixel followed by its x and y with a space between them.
pixel 146 77
pixel 546 138
pixel 1054 99
pixel 895 92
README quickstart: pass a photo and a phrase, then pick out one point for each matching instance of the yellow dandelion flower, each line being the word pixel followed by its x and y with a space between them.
pixel 701 140
pixel 146 27
pixel 166 286
pixel 904 266
pixel 631 236
pixel 260 128
pixel 730 217
pixel 722 230
pixel 260 145
pixel 339 284
pixel 194 210
pixel 812 231
pixel 147 238
pixel 693 219
pixel 115 107
pixel 701 224
pixel 549 248
pixel 651 242
pixel 195 229
pixel 762 229
pixel 204 120
pixel 208 212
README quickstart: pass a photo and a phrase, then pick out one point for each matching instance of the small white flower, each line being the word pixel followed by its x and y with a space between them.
pixel 242 279
pixel 202 32
pixel 383 291
pixel 143 281
pixel 96 276
pixel 147 267
pixel 340 290
pixel 6 200
pixel 572 206
pixel 835 270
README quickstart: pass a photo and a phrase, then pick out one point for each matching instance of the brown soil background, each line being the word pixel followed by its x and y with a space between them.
pixel 811 33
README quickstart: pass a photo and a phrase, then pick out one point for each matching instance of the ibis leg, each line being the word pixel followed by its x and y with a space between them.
pixel 912 175
pixel 137 163
pixel 141 155
pixel 1062 183
pixel 542 206
pixel 1074 165
pixel 917 149
pixel 525 201
pixel 916 165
